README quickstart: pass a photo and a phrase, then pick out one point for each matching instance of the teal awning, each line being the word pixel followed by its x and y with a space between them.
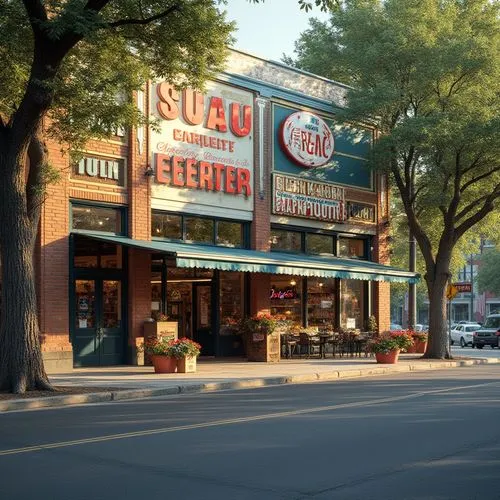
pixel 236 259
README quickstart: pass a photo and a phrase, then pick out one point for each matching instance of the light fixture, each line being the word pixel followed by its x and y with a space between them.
pixel 149 172
pixel 320 284
pixel 293 282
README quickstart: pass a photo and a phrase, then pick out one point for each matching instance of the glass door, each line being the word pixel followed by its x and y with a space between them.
pixel 99 336
pixel 203 332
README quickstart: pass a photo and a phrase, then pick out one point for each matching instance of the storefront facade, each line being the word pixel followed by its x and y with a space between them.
pixel 248 198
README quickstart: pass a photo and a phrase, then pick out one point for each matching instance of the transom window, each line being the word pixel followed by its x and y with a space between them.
pixel 193 229
pixel 97 218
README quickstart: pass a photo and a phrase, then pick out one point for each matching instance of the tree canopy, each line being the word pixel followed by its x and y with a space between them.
pixel 488 276
pixel 428 72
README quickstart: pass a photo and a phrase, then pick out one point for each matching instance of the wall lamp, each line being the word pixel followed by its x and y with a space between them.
pixel 149 172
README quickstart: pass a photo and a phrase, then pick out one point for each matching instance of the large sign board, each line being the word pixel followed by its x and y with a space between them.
pixel 296 197
pixel 203 151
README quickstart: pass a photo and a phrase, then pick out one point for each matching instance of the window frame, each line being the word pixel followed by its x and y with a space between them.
pixel 121 209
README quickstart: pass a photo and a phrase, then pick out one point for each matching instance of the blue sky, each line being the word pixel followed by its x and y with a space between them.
pixel 269 29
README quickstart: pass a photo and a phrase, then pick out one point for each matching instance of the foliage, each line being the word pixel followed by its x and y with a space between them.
pixel 428 72
pixel 260 323
pixel 488 276
pixel 419 336
pixel 391 341
pixel 174 348
pixel 371 324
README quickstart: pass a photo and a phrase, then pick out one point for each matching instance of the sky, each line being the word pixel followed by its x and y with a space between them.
pixel 269 29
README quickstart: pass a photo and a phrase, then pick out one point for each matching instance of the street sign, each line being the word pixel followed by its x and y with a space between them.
pixel 451 291
pixel 463 287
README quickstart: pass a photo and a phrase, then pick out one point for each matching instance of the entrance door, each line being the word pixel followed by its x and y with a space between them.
pixel 98 332
pixel 202 318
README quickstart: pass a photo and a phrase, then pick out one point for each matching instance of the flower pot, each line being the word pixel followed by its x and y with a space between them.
pixel 164 364
pixel 186 365
pixel 412 349
pixel 420 346
pixel 388 358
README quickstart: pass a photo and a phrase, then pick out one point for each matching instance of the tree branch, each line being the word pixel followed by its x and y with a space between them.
pixel 470 207
pixel 487 207
pixel 147 20
pixel 478 178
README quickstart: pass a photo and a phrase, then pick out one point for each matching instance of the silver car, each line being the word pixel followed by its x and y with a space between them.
pixel 463 333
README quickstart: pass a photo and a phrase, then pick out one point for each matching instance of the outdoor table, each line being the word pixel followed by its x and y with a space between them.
pixel 323 337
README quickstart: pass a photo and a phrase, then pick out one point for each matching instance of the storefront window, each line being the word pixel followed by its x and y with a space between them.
pixel 166 226
pixel 319 244
pixel 229 234
pixel 290 241
pixel 89 253
pixel 286 298
pixel 156 297
pixel 321 302
pixel 352 304
pixel 231 301
pixel 199 230
pixel 102 219
pixel 352 248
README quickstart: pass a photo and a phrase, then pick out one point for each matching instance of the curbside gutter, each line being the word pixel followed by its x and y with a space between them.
pixel 196 388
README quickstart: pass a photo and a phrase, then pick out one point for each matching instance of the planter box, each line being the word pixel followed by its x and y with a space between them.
pixel 186 365
pixel 420 346
pixel 389 358
pixel 164 364
pixel 263 347
pixel 158 330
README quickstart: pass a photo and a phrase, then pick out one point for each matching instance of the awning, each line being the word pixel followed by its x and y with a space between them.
pixel 236 259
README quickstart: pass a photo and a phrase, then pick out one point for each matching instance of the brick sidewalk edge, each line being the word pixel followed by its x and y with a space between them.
pixel 193 388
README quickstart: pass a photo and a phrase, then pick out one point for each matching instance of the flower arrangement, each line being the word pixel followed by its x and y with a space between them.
pixel 260 323
pixel 174 348
pixel 391 341
pixel 159 316
pixel 420 336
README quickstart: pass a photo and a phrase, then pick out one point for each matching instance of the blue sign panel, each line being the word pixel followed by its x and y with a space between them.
pixel 347 166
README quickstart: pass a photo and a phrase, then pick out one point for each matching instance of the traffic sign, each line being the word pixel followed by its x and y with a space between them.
pixel 451 291
pixel 463 287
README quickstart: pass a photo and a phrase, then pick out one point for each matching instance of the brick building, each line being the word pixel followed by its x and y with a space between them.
pixel 249 198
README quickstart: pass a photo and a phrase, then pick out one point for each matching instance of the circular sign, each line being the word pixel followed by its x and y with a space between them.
pixel 306 139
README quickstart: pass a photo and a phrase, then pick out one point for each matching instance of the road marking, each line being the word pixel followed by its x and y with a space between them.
pixel 232 421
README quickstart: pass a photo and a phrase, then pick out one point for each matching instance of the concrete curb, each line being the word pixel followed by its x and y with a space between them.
pixel 196 388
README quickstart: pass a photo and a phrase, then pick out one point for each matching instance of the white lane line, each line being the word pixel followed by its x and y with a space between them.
pixel 232 421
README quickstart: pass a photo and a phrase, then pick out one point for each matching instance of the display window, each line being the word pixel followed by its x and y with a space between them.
pixel 288 241
pixel 352 304
pixel 286 298
pixel 319 244
pixel 321 295
pixel 231 301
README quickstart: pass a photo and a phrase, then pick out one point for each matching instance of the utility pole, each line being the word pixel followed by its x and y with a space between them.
pixel 412 287
pixel 471 317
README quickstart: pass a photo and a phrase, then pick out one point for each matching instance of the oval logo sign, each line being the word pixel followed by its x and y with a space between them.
pixel 306 139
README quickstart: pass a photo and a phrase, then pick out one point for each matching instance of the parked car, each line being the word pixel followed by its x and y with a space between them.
pixel 488 334
pixel 463 333
pixel 421 328
pixel 395 326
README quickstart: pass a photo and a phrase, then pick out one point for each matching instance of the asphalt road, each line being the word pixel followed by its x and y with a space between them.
pixel 485 352
pixel 419 436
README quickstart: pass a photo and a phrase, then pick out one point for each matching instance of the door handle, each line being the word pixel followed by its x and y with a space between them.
pixel 100 333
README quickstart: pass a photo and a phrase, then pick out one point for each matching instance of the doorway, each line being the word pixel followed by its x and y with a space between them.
pixel 203 332
pixel 98 322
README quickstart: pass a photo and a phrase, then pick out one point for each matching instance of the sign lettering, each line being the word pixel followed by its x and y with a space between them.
pixel 360 211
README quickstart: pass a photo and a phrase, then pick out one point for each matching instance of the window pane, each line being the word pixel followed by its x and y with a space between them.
pixel 352 247
pixel 319 243
pixel 85 303
pixel 229 234
pixel 166 226
pixel 199 230
pixel 111 304
pixel 286 298
pixel 286 240
pixel 352 304
pixel 321 302
pixel 231 302
pixel 96 219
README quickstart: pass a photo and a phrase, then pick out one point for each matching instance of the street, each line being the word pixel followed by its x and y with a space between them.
pixel 486 352
pixel 426 436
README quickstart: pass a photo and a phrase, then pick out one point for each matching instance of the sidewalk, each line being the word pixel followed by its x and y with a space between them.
pixel 131 382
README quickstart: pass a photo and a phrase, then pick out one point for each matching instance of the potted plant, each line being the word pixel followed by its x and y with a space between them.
pixel 371 324
pixel 159 351
pixel 420 341
pixel 262 338
pixel 387 346
pixel 156 327
pixel 185 351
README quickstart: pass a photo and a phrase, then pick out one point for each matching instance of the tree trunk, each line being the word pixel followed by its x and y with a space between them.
pixel 438 344
pixel 21 363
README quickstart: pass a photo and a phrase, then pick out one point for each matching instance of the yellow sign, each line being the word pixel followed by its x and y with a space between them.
pixel 451 291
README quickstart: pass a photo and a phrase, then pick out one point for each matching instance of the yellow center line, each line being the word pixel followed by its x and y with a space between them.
pixel 231 421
